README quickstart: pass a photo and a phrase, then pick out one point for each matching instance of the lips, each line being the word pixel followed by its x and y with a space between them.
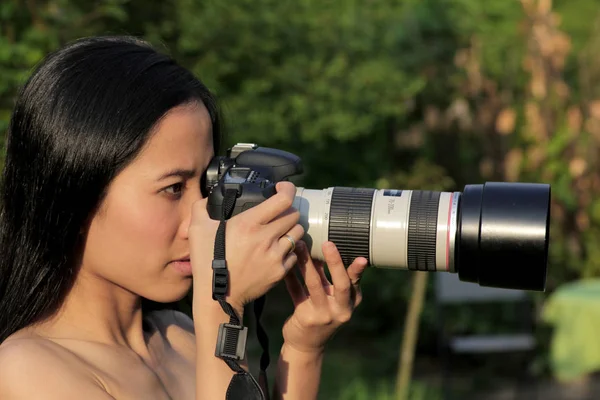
pixel 183 265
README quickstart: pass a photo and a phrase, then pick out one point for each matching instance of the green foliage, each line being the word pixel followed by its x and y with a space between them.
pixel 301 70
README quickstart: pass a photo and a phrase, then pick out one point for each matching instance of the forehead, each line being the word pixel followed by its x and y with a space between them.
pixel 183 135
pixel 184 124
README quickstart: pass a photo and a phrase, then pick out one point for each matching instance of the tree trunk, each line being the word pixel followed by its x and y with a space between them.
pixel 411 332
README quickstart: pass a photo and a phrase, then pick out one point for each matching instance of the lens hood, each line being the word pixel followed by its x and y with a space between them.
pixel 503 235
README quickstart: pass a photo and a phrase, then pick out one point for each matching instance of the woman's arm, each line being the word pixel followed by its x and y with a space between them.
pixel 298 374
pixel 260 259
pixel 212 374
pixel 320 309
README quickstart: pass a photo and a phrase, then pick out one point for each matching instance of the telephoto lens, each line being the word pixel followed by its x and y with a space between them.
pixel 494 234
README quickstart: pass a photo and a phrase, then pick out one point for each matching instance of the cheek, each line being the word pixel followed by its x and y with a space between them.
pixel 147 223
pixel 134 232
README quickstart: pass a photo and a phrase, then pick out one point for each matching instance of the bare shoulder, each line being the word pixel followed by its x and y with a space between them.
pixel 178 329
pixel 33 368
pixel 173 319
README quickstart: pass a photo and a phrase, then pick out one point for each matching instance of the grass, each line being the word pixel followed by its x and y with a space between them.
pixel 344 379
pixel 348 375
pixel 361 390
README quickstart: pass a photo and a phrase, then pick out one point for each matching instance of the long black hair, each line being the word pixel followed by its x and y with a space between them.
pixel 83 115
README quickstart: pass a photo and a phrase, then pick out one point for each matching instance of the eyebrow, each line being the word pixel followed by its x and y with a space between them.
pixel 179 172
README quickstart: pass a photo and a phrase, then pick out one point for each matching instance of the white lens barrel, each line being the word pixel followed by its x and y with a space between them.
pixel 314 217
pixel 389 233
pixel 401 229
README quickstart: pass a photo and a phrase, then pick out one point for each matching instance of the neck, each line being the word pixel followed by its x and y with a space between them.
pixel 97 310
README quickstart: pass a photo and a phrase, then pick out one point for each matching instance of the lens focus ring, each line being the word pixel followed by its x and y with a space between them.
pixel 350 222
pixel 422 230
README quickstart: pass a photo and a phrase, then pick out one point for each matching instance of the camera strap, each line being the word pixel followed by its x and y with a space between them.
pixel 231 340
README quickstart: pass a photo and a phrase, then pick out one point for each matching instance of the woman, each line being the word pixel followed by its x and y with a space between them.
pixel 103 211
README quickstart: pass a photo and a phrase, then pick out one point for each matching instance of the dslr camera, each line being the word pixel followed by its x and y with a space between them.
pixel 494 234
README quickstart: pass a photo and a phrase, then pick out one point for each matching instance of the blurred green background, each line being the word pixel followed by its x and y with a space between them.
pixel 414 94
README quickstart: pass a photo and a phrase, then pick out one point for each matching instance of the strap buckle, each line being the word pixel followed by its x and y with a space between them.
pixel 231 342
pixel 220 279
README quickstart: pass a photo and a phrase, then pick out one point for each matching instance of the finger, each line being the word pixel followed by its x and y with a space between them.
pixel 288 262
pixel 283 223
pixel 272 207
pixel 339 277
pixel 294 288
pixel 320 266
pixel 288 242
pixel 311 277
pixel 355 271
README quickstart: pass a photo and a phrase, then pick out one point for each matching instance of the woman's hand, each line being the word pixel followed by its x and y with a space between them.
pixel 257 251
pixel 320 307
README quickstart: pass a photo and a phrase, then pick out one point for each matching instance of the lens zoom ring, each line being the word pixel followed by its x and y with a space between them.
pixel 350 220
pixel 422 230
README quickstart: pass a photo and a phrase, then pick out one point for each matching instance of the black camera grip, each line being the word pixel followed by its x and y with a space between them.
pixel 249 195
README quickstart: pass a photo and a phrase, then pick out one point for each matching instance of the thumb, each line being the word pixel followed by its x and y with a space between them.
pixel 200 223
pixel 200 215
pixel 200 209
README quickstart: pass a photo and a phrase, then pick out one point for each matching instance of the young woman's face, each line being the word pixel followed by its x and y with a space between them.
pixel 141 228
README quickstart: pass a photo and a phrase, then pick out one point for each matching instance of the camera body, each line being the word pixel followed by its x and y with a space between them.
pixel 252 171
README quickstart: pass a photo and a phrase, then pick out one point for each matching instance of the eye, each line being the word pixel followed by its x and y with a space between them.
pixel 174 190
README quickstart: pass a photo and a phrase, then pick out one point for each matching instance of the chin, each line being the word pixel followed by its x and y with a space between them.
pixel 171 293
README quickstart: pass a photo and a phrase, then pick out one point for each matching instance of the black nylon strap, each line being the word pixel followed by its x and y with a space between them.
pixel 263 339
pixel 220 287
pixel 227 209
pixel 221 279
